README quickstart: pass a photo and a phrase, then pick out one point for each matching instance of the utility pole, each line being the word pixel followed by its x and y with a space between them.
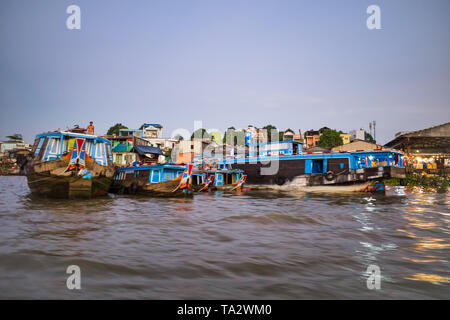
pixel 374 131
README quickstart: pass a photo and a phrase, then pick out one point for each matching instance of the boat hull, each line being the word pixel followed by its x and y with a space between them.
pixel 165 188
pixel 49 179
pixel 292 169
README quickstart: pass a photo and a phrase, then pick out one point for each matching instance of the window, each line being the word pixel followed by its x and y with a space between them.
pixel 39 146
pixel 317 166
pixel 155 176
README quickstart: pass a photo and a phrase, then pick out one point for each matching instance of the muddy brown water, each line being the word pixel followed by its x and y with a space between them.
pixel 270 244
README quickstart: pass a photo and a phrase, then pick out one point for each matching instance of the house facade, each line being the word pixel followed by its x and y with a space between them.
pixel 312 137
pixel 186 150
pixel 358 134
pixel 127 150
pixel 149 130
pixel 346 137
pixel 255 135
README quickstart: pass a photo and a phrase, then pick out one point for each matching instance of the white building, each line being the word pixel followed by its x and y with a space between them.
pixel 10 145
pixel 152 130
pixel 358 134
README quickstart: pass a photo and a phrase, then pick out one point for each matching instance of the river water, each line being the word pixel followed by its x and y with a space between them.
pixel 258 245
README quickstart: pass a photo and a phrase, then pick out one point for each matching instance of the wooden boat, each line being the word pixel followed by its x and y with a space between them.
pixel 221 178
pixel 160 179
pixel 238 185
pixel 67 164
pixel 209 182
pixel 172 178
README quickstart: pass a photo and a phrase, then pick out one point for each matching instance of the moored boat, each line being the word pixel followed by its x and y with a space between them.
pixel 159 179
pixel 282 162
pixel 218 177
pixel 174 179
pixel 67 164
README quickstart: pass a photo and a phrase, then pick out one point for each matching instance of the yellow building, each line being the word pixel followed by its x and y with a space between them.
pixel 345 137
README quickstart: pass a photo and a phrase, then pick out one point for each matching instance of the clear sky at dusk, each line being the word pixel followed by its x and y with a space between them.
pixel 294 64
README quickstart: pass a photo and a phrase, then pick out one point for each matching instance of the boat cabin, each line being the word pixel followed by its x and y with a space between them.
pixel 286 147
pixel 53 145
pixel 166 172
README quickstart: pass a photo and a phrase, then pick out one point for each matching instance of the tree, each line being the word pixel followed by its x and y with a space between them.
pixel 234 137
pixel 115 129
pixel 200 134
pixel 179 137
pixel 330 138
pixel 280 135
pixel 270 130
pixel 368 137
pixel 15 137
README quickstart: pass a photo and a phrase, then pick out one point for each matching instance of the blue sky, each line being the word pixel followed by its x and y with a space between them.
pixel 297 64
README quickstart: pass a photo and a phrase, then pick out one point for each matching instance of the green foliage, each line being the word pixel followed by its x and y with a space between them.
pixel 280 135
pixel 423 181
pixel 428 182
pixel 329 139
pixel 115 129
pixel 234 137
pixel 179 137
pixel 271 130
pixel 368 137
pixel 200 134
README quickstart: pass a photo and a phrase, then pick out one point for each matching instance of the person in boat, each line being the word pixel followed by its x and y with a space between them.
pixel 90 128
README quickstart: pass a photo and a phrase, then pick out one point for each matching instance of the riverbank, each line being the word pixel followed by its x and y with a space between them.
pixel 424 181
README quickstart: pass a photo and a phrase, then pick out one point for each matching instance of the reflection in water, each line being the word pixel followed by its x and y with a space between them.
pixel 433 278
pixel 262 244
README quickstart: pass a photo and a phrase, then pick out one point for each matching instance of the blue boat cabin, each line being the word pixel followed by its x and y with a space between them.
pixel 53 145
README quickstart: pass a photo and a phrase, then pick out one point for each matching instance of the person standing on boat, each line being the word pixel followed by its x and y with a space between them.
pixel 90 128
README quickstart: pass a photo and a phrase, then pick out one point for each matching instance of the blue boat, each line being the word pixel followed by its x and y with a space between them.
pixel 70 164
pixel 282 162
pixel 175 179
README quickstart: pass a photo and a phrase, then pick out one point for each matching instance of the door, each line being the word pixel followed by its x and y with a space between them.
pixel 317 166
pixel 155 176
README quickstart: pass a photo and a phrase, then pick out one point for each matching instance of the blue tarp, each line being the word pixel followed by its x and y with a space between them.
pixel 147 149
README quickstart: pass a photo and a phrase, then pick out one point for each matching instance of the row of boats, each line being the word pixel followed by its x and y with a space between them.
pixel 70 164
pixel 67 164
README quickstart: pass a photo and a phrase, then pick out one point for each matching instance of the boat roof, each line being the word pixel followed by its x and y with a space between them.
pixel 154 167
pixel 72 134
pixel 178 167
pixel 219 170
pixel 305 155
